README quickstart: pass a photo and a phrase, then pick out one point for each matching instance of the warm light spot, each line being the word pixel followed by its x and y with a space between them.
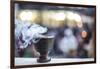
pixel 74 19
pixel 59 16
pixel 84 34
pixel 70 15
pixel 78 20
pixel 70 19
pixel 26 16
pixel 77 17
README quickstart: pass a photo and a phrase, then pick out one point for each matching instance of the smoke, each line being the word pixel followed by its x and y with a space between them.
pixel 29 33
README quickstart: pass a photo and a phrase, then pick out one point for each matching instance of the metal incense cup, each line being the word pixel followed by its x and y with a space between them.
pixel 44 46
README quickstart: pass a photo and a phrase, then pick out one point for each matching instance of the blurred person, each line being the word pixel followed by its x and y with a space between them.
pixel 68 44
pixel 90 47
pixel 88 36
pixel 59 35
pixel 84 44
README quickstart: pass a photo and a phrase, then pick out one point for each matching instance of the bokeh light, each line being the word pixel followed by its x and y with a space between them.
pixel 59 16
pixel 74 19
pixel 78 20
pixel 26 16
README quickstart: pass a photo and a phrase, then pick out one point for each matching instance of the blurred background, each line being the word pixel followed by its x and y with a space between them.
pixel 73 28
